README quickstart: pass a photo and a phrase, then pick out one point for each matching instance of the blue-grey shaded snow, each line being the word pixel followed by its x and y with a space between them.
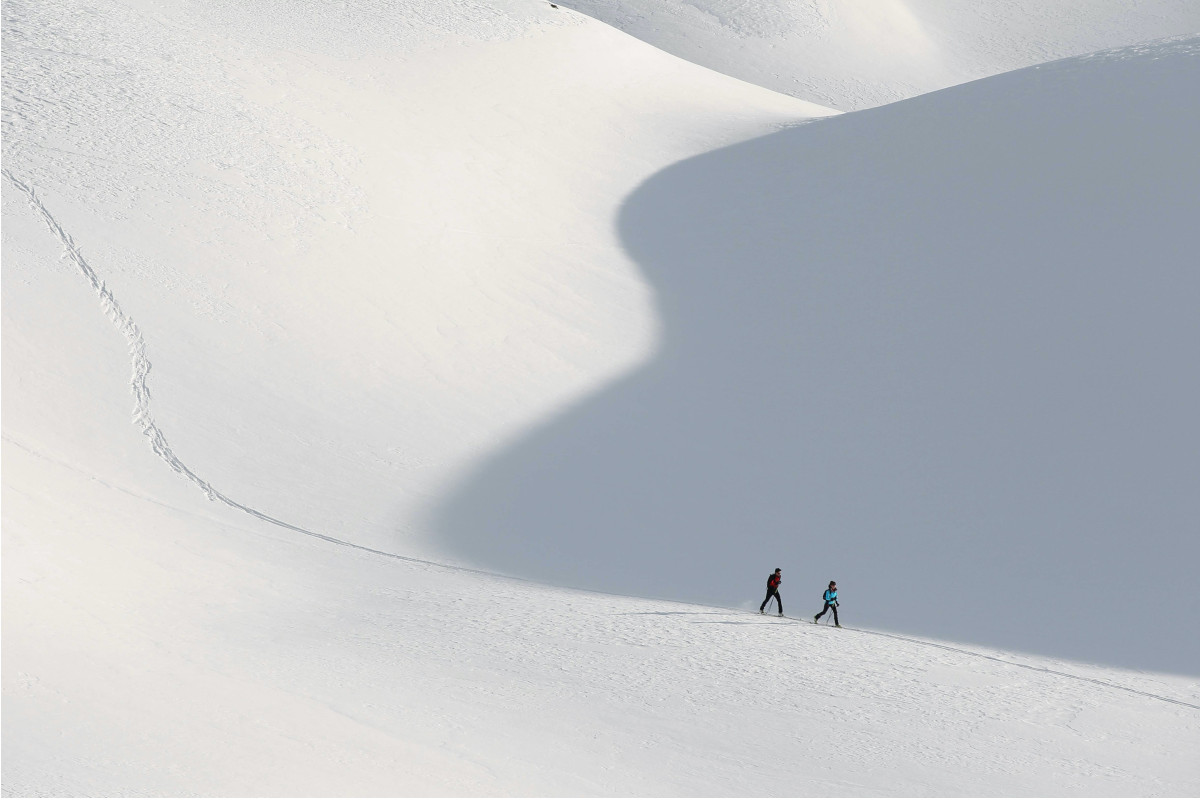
pixel 945 352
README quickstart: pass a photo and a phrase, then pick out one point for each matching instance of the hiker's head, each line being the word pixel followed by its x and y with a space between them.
pixel 778 570
pixel 833 584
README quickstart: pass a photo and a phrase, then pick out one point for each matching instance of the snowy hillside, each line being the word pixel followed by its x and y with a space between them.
pixel 305 303
pixel 943 351
pixel 852 54
pixel 353 276
pixel 213 658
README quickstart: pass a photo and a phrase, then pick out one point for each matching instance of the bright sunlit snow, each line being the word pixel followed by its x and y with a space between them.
pixel 857 53
pixel 346 347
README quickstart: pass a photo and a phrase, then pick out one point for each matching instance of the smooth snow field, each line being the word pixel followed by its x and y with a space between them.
pixel 411 398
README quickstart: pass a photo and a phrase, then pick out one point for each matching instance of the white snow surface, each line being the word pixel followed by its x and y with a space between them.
pixel 943 351
pixel 285 283
pixel 851 54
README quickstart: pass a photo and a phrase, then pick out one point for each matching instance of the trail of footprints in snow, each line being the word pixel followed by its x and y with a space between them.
pixel 141 391
pixel 129 329
pixel 145 422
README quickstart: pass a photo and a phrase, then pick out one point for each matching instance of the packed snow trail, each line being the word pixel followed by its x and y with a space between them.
pixel 133 335
pixel 964 651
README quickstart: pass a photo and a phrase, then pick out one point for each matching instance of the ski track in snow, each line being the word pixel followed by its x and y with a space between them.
pixel 143 418
pixel 1032 667
pixel 141 390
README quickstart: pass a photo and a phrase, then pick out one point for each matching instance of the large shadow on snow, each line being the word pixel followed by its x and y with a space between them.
pixel 944 351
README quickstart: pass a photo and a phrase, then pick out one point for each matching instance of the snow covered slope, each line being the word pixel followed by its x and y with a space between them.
pixel 852 54
pixel 280 274
pixel 944 352
pixel 198 653
pixel 352 275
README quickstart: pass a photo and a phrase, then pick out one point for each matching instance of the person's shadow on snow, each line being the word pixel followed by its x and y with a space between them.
pixel 944 352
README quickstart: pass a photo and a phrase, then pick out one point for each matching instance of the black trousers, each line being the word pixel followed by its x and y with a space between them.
pixel 772 593
pixel 829 606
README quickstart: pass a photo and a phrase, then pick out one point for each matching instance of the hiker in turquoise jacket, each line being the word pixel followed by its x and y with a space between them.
pixel 831 603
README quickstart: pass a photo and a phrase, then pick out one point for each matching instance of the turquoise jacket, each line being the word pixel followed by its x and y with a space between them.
pixel 830 596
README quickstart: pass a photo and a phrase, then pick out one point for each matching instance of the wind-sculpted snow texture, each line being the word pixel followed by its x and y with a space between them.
pixel 901 47
pixel 944 352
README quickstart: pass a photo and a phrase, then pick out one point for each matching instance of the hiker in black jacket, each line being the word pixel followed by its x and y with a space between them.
pixel 773 581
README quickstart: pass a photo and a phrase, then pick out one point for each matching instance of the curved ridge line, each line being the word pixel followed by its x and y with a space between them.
pixel 158 442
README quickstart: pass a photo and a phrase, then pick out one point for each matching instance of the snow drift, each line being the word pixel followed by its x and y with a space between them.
pixel 852 54
pixel 943 352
